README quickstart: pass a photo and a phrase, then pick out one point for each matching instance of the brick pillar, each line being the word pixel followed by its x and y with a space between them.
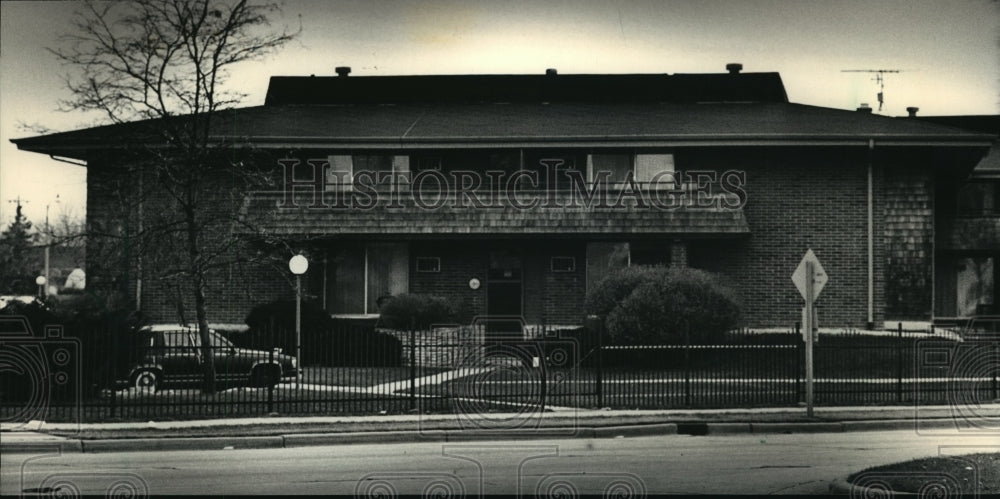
pixel 679 253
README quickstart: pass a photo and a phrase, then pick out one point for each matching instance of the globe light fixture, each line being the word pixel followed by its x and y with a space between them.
pixel 40 281
pixel 298 264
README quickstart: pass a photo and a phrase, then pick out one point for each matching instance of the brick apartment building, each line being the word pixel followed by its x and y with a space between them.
pixel 475 187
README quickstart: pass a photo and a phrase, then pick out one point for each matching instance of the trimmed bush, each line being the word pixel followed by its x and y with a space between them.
pixel 416 310
pixel 667 305
pixel 616 286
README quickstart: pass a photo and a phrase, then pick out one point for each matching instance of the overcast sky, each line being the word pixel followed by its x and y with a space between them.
pixel 947 50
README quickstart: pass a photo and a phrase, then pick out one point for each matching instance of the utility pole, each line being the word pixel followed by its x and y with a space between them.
pixel 879 78
pixel 48 244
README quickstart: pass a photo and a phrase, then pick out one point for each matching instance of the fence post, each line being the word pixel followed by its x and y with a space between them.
pixel 600 363
pixel 687 365
pixel 413 365
pixel 996 389
pixel 899 363
pixel 798 362
pixel 115 360
pixel 270 386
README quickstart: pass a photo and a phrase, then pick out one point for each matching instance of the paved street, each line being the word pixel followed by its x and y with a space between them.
pixel 746 463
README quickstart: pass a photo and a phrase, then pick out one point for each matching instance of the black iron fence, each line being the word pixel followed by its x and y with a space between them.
pixel 358 369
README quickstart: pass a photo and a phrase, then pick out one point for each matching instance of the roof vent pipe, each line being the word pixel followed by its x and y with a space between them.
pixel 734 68
pixel 343 71
pixel 912 111
pixel 865 108
pixel 551 72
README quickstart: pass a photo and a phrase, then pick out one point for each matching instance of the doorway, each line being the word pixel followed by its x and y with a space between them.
pixel 504 298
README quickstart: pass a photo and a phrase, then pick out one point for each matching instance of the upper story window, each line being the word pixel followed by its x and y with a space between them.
pixel 482 170
pixel 648 170
pixel 465 169
pixel 382 171
pixel 555 169
pixel 977 199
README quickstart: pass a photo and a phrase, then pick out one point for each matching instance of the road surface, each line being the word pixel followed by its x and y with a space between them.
pixel 675 464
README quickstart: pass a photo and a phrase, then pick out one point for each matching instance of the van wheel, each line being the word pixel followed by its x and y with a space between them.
pixel 146 381
pixel 264 376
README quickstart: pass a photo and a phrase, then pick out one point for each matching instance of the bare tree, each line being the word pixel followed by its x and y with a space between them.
pixel 164 64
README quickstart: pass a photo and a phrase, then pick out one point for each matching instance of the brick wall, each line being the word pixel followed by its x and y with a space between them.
pixel 552 297
pixel 460 262
pixel 121 250
pixel 564 291
pixel 797 199
pixel 111 203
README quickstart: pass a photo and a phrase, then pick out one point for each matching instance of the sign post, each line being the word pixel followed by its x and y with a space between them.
pixel 809 338
pixel 809 278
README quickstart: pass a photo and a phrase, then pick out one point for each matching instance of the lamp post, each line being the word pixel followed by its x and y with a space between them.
pixel 298 264
pixel 40 281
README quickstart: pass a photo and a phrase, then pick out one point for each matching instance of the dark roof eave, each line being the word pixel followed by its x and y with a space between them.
pixel 79 149
pixel 976 140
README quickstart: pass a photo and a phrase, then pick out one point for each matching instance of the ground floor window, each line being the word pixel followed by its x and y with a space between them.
pixel 649 253
pixel 604 257
pixel 361 276
pixel 562 264
pixel 965 285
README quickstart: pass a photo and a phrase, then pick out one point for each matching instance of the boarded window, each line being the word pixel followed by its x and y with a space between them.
pixel 654 170
pixel 617 166
pixel 340 176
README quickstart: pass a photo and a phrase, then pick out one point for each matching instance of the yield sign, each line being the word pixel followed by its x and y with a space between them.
pixel 819 275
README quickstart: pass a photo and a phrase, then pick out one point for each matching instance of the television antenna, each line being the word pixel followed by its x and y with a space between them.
pixel 879 78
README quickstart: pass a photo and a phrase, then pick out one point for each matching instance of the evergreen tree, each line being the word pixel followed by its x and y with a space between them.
pixel 17 258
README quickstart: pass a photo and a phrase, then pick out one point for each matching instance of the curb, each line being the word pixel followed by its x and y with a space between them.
pixel 404 436
pixel 204 443
pixel 842 487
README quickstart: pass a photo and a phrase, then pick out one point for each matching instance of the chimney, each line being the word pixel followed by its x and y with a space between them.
pixel 864 108
pixel 734 68
pixel 912 111
pixel 551 72
pixel 343 71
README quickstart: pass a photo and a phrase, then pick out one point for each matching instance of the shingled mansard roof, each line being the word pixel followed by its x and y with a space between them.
pixel 406 112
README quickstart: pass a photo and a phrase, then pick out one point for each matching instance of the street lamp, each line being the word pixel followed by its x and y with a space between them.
pixel 298 264
pixel 40 281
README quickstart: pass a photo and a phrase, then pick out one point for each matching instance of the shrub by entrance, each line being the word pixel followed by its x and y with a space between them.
pixel 416 311
pixel 645 305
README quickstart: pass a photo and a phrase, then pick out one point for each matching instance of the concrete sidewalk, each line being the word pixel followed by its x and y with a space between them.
pixel 276 432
